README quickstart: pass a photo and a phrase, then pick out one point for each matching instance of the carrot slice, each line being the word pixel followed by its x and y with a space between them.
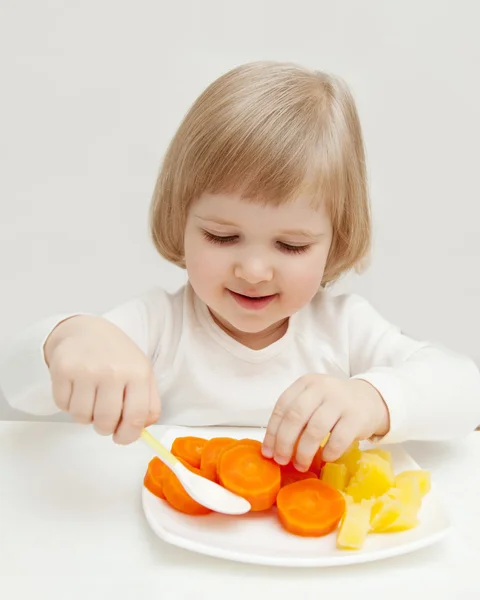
pixel 189 448
pixel 243 470
pixel 310 508
pixel 176 495
pixel 317 462
pixel 290 474
pixel 250 442
pixel 153 477
pixel 244 442
pixel 211 453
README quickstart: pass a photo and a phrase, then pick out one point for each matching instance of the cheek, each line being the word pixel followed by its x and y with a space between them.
pixel 205 263
pixel 304 276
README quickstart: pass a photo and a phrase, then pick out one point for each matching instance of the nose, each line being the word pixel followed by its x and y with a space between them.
pixel 254 269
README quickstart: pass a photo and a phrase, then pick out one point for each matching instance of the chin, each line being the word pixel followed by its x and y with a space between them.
pixel 252 325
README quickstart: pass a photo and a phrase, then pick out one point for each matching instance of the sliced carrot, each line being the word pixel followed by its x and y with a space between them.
pixel 189 448
pixel 290 474
pixel 211 453
pixel 153 477
pixel 250 442
pixel 244 442
pixel 310 508
pixel 317 462
pixel 176 495
pixel 243 470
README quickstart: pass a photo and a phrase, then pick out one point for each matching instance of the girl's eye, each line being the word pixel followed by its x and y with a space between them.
pixel 293 249
pixel 229 239
pixel 218 239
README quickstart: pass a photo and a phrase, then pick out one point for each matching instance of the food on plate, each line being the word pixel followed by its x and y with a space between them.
pixel 385 454
pixel 336 474
pixel 153 477
pixel 423 478
pixel 372 478
pixel 355 525
pixel 211 453
pixel 290 474
pixel 176 495
pixel 310 507
pixel 243 470
pixel 189 448
pixel 350 458
pixel 355 496
pixel 391 514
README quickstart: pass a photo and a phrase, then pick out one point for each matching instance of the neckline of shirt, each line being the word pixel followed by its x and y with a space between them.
pixel 232 345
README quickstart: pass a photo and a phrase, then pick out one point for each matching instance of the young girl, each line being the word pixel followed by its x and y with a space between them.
pixel 262 197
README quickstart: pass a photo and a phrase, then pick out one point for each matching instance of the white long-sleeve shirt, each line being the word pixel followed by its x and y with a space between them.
pixel 207 378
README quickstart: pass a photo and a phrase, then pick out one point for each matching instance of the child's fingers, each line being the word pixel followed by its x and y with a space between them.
pixel 61 391
pixel 278 414
pixel 321 423
pixel 82 400
pixel 155 403
pixel 295 419
pixel 108 407
pixel 341 438
pixel 135 411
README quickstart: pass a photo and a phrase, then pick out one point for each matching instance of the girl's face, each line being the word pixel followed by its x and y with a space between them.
pixel 255 265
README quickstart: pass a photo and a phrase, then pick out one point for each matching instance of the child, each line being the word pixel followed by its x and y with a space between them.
pixel 262 197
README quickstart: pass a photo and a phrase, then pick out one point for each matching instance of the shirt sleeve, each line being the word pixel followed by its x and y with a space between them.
pixel 24 376
pixel 431 392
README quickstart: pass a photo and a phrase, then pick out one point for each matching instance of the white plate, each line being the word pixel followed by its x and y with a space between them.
pixel 259 538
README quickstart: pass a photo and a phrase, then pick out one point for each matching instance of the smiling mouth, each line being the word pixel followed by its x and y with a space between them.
pixel 252 302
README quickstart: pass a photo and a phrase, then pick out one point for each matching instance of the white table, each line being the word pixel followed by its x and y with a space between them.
pixel 72 526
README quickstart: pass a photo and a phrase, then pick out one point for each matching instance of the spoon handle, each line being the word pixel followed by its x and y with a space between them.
pixel 165 456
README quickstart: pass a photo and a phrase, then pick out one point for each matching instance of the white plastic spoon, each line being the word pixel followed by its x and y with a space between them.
pixel 205 492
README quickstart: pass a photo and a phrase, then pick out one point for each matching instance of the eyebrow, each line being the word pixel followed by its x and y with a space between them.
pixel 302 232
pixel 299 232
pixel 216 220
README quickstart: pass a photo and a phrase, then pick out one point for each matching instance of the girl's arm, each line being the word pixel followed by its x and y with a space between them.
pixel 24 375
pixel 432 393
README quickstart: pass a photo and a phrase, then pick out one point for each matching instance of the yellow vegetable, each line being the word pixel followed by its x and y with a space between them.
pixel 390 514
pixel 423 478
pixel 335 474
pixel 407 490
pixel 350 458
pixel 373 477
pixel 385 454
pixel 355 526
pixel 377 501
pixel 348 499
pixel 384 512
pixel 407 519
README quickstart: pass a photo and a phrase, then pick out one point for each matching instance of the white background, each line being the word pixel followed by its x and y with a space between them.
pixel 92 91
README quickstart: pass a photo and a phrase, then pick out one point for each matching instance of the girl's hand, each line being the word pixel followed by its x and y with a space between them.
pixel 100 376
pixel 316 405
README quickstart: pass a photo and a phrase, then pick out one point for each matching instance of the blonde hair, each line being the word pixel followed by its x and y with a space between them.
pixel 269 131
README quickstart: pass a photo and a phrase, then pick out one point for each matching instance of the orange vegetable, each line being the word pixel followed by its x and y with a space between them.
pixel 310 507
pixel 243 470
pixel 317 462
pixel 211 453
pixel 250 442
pixel 153 477
pixel 244 442
pixel 290 474
pixel 176 495
pixel 189 448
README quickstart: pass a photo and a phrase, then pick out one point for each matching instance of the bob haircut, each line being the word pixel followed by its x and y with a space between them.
pixel 269 131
